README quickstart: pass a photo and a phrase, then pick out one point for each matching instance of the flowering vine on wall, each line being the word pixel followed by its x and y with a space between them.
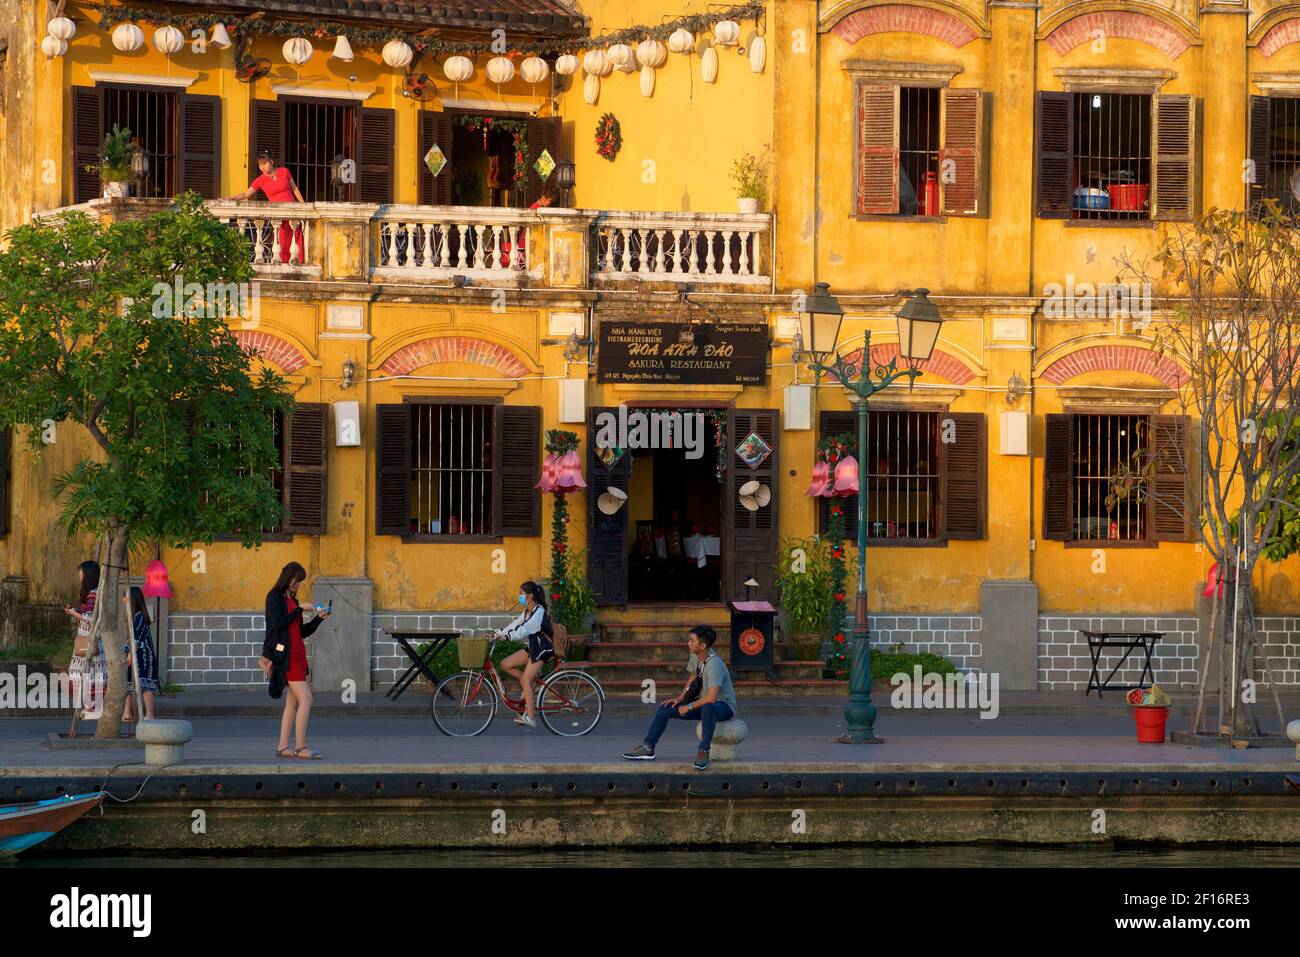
pixel 831 450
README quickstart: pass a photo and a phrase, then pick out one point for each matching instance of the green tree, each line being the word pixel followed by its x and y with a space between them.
pixel 184 442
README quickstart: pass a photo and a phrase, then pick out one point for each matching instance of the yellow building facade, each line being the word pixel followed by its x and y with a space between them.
pixel 433 327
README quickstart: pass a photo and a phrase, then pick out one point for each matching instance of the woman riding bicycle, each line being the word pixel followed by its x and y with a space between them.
pixel 533 628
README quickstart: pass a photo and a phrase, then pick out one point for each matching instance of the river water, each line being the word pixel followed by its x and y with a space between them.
pixel 977 855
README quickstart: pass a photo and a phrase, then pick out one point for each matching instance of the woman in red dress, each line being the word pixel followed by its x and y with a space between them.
pixel 277 185
pixel 286 649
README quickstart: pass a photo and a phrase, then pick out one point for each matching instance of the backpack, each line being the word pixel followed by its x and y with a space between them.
pixel 559 639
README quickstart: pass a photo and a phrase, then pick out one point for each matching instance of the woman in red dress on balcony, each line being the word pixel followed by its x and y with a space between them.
pixel 547 198
pixel 276 182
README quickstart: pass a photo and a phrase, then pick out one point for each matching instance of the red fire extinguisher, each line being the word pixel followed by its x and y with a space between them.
pixel 930 195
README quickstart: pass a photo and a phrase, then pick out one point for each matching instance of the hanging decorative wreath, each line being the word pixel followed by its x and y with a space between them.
pixel 609 138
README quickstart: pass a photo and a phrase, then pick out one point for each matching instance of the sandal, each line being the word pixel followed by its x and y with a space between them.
pixel 309 756
pixel 281 753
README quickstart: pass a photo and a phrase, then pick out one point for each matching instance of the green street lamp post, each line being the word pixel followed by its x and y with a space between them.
pixel 918 330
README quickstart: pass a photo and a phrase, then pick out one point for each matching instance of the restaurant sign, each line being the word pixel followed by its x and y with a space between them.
pixel 733 353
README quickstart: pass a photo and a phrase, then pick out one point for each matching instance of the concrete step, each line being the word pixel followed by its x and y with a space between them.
pixel 745 688
pixel 670 651
pixel 675 673
pixel 655 632
pixel 701 613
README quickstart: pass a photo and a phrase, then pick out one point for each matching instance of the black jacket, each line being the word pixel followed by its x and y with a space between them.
pixel 278 619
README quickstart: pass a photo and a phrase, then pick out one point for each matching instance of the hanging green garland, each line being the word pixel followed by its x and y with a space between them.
pixel 518 129
pixel 559 442
pixel 831 450
pixel 110 16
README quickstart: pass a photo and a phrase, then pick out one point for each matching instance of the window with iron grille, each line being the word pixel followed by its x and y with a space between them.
pixel 316 135
pixel 277 476
pixel 1109 450
pixel 451 469
pixel 1281 176
pixel 152 117
pixel 901 470
pixel 918 151
pixel 1112 156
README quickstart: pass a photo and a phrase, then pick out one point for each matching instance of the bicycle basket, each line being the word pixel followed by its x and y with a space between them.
pixel 473 651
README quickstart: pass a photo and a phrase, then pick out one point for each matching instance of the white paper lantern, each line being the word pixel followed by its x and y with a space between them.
pixel 342 50
pixel 61 27
pixel 591 89
pixel 757 54
pixel 297 50
pixel 458 69
pixel 566 65
pixel 709 65
pixel 681 41
pixel 726 32
pixel 53 46
pixel 534 70
pixel 620 54
pixel 220 38
pixel 500 70
pixel 647 81
pixel 167 40
pixel 596 63
pixel 397 54
pixel 651 53
pixel 127 37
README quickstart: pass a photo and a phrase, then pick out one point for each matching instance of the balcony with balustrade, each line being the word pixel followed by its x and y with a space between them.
pixel 408 245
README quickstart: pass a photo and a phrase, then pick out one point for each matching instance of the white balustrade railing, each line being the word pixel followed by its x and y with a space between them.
pixel 680 247
pixel 443 241
pixel 280 233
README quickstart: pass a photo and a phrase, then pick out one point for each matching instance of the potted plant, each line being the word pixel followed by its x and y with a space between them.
pixel 115 162
pixel 579 606
pixel 804 581
pixel 749 176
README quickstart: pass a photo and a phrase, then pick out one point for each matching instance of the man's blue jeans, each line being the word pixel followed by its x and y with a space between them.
pixel 708 715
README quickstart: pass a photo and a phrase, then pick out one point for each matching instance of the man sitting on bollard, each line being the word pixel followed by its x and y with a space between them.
pixel 708 698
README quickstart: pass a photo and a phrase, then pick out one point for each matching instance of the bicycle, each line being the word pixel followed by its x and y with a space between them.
pixel 569 701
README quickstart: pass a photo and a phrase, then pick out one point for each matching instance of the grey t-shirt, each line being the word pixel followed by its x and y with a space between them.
pixel 717 676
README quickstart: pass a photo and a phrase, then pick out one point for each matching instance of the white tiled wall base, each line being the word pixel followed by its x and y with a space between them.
pixel 388 662
pixel 956 637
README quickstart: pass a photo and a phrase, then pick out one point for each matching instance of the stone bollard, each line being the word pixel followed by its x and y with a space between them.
pixel 1293 732
pixel 164 740
pixel 727 736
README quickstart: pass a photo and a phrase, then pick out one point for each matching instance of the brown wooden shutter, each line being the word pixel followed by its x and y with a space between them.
pixel 840 423
pixel 200 157
pixel 964 476
pixel 1174 169
pixel 87 140
pixel 544 133
pixel 1058 477
pixel 1260 143
pixel 435 128
pixel 1054 139
pixel 266 132
pixel 6 477
pixel 306 442
pixel 754 541
pixel 606 534
pixel 516 466
pixel 393 469
pixel 877 149
pixel 1171 494
pixel 963 114
pixel 375 155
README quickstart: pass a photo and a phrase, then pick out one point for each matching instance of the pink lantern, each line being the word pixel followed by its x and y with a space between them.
pixel 846 477
pixel 550 472
pixel 820 479
pixel 569 478
pixel 155 580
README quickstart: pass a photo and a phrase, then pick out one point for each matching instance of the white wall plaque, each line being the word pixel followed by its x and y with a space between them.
pixel 344 316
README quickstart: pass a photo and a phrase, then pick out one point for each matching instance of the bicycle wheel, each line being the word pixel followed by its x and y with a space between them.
pixel 464 704
pixel 571 703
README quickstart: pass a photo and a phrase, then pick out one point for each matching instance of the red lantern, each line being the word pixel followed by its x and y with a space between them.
pixel 155 580
pixel 820 478
pixel 846 477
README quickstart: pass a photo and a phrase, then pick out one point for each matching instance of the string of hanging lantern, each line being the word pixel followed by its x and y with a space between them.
pixel 111 16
